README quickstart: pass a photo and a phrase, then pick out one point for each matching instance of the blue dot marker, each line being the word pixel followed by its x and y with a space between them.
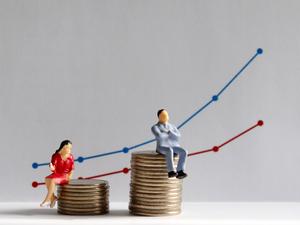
pixel 215 98
pixel 125 149
pixel 259 51
pixel 35 165
pixel 80 159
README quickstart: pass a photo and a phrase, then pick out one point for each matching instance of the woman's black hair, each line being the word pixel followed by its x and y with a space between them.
pixel 159 112
pixel 62 144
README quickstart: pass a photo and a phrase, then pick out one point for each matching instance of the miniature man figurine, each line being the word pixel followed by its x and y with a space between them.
pixel 62 166
pixel 167 137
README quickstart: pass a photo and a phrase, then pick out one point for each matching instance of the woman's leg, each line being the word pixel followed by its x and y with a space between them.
pixel 53 200
pixel 47 185
pixel 50 184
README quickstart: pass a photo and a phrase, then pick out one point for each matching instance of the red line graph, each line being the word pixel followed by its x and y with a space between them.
pixel 216 148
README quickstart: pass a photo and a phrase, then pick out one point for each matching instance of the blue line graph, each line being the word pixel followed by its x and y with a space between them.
pixel 214 98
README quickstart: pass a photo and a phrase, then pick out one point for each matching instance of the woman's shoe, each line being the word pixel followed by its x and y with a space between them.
pixel 52 204
pixel 45 204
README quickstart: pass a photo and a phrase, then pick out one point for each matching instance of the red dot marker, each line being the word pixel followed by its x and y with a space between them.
pixel 125 170
pixel 260 123
pixel 215 148
pixel 35 184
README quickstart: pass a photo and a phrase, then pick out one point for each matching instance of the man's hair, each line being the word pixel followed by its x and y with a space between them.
pixel 159 112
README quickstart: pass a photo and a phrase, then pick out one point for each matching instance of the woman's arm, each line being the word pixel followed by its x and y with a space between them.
pixel 53 162
pixel 72 168
pixel 70 175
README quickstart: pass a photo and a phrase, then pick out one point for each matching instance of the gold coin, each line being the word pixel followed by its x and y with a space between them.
pixel 79 206
pixel 167 185
pixel 81 198
pixel 85 184
pixel 95 212
pixel 155 197
pixel 151 211
pixel 161 161
pixel 153 161
pixel 82 188
pixel 156 171
pixel 78 202
pixel 81 194
pixel 147 154
pixel 152 192
pixel 149 175
pixel 83 206
pixel 137 179
pixel 138 212
pixel 150 201
pixel 158 168
pixel 155 208
pixel 83 209
pixel 154 181
pixel 159 191
pixel 158 205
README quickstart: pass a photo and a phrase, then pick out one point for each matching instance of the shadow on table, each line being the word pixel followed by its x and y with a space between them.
pixel 47 212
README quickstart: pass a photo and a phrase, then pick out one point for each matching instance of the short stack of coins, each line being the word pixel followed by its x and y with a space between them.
pixel 152 193
pixel 83 197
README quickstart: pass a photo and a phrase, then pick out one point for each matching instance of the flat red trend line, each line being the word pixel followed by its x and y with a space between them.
pixel 125 170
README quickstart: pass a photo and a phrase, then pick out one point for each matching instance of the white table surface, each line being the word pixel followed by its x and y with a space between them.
pixel 207 213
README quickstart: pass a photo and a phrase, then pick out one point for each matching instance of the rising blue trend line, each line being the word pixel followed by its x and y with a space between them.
pixel 216 97
pixel 127 149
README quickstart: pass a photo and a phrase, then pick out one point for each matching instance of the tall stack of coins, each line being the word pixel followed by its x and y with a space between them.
pixel 83 197
pixel 152 193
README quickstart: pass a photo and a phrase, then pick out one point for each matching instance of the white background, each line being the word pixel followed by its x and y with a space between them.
pixel 96 72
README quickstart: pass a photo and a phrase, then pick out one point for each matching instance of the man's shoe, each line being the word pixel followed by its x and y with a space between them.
pixel 172 174
pixel 181 174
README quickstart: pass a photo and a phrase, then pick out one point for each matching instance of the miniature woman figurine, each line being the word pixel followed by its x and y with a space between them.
pixel 167 139
pixel 62 166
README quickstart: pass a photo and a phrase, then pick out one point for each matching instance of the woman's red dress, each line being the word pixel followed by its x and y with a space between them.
pixel 62 168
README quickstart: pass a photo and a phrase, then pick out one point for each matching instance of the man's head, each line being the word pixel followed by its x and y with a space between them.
pixel 163 116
